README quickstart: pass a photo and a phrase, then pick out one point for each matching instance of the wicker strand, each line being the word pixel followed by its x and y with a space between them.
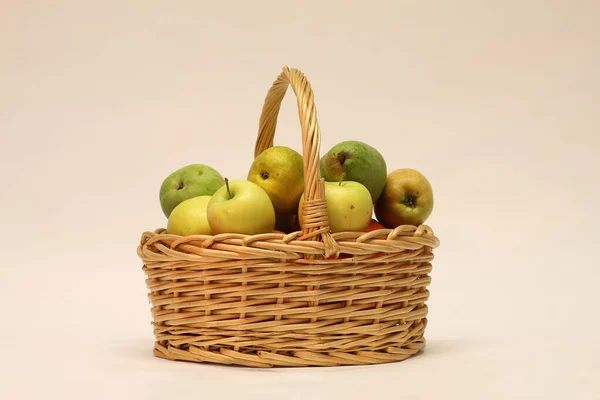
pixel 317 223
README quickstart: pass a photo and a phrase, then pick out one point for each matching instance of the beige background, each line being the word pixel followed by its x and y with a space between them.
pixel 496 102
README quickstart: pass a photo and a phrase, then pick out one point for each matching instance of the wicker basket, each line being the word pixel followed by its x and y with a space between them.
pixel 275 300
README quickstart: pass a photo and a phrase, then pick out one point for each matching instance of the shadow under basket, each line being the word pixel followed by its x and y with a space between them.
pixel 308 298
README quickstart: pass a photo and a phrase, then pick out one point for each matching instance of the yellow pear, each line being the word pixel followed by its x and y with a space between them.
pixel 279 171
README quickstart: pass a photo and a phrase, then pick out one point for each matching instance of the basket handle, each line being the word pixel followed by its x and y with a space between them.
pixel 314 209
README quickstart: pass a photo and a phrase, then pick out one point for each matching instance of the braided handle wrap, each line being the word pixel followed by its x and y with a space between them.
pixel 314 210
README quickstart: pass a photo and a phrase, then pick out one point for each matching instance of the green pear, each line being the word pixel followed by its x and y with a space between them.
pixel 358 162
pixel 191 181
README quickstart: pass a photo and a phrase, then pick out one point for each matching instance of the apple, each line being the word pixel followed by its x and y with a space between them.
pixel 342 255
pixel 191 181
pixel 349 206
pixel 189 217
pixel 374 225
pixel 407 199
pixel 358 162
pixel 279 171
pixel 241 206
pixel 296 224
pixel 285 222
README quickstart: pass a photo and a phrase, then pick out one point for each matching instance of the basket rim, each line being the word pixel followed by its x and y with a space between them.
pixel 160 246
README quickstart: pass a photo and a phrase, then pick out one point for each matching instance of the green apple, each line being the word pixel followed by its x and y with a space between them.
pixel 189 217
pixel 349 206
pixel 406 200
pixel 191 181
pixel 279 171
pixel 359 162
pixel 241 206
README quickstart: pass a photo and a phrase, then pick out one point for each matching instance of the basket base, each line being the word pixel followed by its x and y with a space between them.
pixel 267 359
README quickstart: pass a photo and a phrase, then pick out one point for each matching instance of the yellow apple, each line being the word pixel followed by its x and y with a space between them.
pixel 189 217
pixel 407 199
pixel 349 206
pixel 241 206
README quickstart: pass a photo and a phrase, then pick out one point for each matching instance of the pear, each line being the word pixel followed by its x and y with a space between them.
pixel 358 162
pixel 279 171
pixel 188 182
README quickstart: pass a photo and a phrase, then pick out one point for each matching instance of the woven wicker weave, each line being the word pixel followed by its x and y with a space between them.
pixel 310 298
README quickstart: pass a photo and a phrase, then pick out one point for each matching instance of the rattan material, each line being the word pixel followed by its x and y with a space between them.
pixel 310 298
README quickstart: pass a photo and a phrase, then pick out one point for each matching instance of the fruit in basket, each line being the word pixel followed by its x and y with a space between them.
pixel 360 162
pixel 296 225
pixel 342 255
pixel 349 206
pixel 406 200
pixel 279 171
pixel 191 181
pixel 374 225
pixel 189 217
pixel 241 206
pixel 285 222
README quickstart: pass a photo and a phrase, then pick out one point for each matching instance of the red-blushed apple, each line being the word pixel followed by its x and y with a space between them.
pixel 241 206
pixel 349 206
pixel 374 225
pixel 407 199
pixel 285 222
pixel 342 255
pixel 296 224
